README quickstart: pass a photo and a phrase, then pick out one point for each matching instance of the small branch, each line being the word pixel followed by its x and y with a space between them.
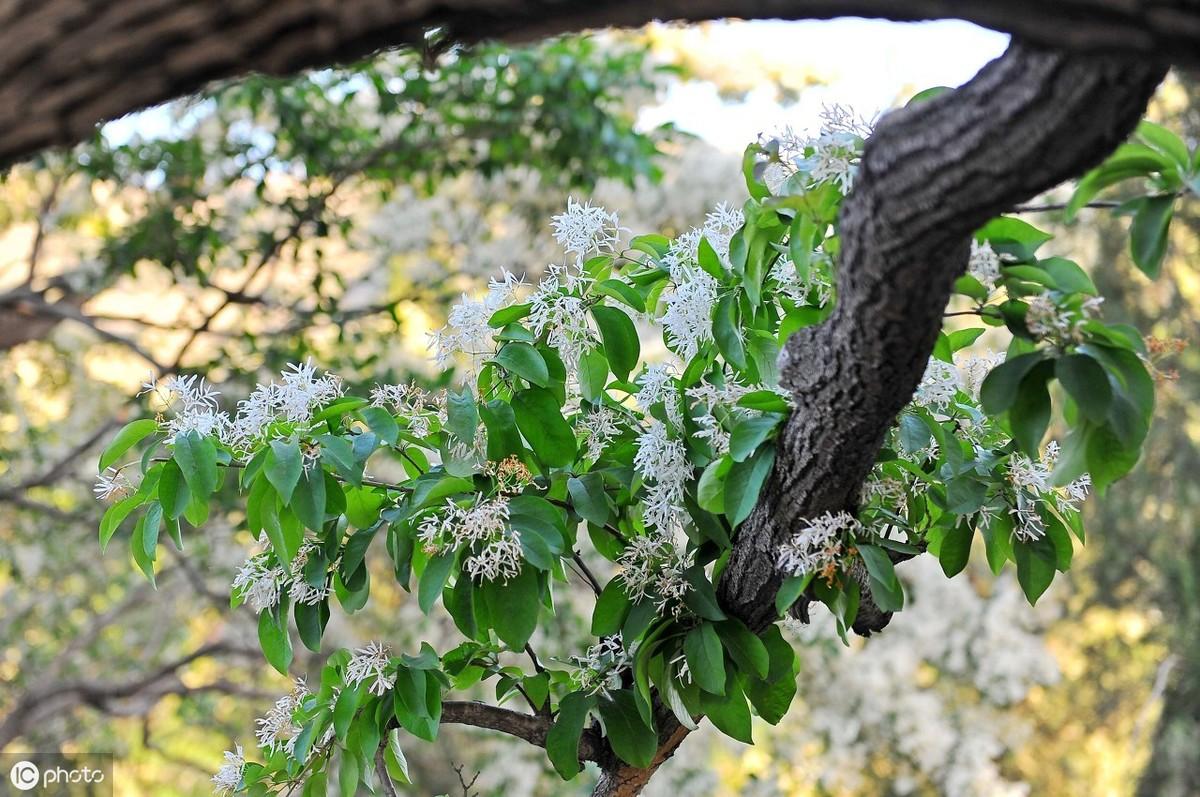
pixel 587 574
pixel 529 727
pixel 385 780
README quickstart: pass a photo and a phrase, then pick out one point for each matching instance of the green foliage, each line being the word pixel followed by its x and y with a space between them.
pixel 661 466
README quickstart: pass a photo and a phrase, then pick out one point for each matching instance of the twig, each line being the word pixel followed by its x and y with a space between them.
pixel 385 780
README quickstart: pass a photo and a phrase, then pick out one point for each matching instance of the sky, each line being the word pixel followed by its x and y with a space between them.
pixel 870 65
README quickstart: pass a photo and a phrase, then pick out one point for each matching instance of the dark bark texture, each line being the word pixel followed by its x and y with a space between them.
pixel 66 65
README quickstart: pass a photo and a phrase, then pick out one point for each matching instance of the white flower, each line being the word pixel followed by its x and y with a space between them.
pixel 973 370
pixel 300 590
pixel 1024 473
pixel 277 730
pixel 652 565
pixel 586 228
pixel 819 546
pixel 1075 493
pixel 663 462
pixel 600 670
pixel 258 583
pixel 229 776
pixel 409 403
pixel 371 663
pixel 496 550
pixel 112 484
pixel 502 292
pixel 816 290
pixel 938 385
pixel 598 427
pixel 657 384
pixel 688 317
pixel 1028 524
pixel 563 318
pixel 466 332
pixel 984 264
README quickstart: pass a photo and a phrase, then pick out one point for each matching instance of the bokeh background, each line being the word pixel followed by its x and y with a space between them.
pixel 336 214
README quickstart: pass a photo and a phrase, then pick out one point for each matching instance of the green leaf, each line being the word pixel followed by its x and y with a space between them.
pixel 727 333
pixel 514 607
pixel 462 417
pixel 1013 236
pixel 707 257
pixel 344 709
pixel 540 421
pixel 1148 233
pixel 744 482
pixel 274 640
pixel 197 458
pixel 1165 142
pixel 309 502
pixel 621 292
pixel 1085 380
pixel 381 422
pixel 130 435
pixel 115 515
pixel 589 498
pixel 790 591
pixel 1029 414
pixel 746 649
pixel 173 491
pixel 593 373
pixel 562 740
pixel 503 438
pixel 749 434
pixel 730 713
pixel 705 658
pixel 507 315
pixel 283 467
pixel 1001 385
pixel 525 361
pixel 621 345
pixel 1036 564
pixel 772 696
pixel 612 606
pixel 710 491
pixel 310 623
pixel 631 739
pixel 955 549
pixel 433 578
pixel 1069 276
pixel 1108 459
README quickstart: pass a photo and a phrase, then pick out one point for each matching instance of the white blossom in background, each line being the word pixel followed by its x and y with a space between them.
pixel 819 547
pixel 278 730
pixel 984 264
pixel 938 386
pixel 934 698
pixel 229 776
pixel 584 229
pixel 371 663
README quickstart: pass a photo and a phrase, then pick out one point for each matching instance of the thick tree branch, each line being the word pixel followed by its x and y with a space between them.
pixel 930 176
pixel 66 65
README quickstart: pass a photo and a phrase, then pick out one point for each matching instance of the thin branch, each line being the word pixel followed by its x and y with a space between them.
pixel 385 780
pixel 529 727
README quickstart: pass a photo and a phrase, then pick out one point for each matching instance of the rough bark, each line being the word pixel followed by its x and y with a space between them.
pixel 66 65
pixel 930 176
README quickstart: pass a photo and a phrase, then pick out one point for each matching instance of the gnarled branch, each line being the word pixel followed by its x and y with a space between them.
pixel 66 65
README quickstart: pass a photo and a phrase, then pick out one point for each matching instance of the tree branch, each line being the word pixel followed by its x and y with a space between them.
pixel 529 727
pixel 66 65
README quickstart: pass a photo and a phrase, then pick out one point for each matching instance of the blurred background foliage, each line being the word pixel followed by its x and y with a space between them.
pixel 334 216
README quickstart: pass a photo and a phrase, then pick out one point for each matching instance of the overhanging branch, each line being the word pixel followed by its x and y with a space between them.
pixel 66 65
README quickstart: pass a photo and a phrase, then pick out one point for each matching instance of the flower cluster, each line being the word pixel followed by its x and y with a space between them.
pixel 278 729
pixel 484 528
pixel 602 668
pixel 229 777
pixel 832 156
pixel 1049 320
pixel 409 404
pixel 371 663
pixel 662 460
pixel 653 566
pixel 819 547
pixel 1032 488
pixel 262 580
pixel 112 485
pixel 984 265
pixel 584 229
pixel 687 319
